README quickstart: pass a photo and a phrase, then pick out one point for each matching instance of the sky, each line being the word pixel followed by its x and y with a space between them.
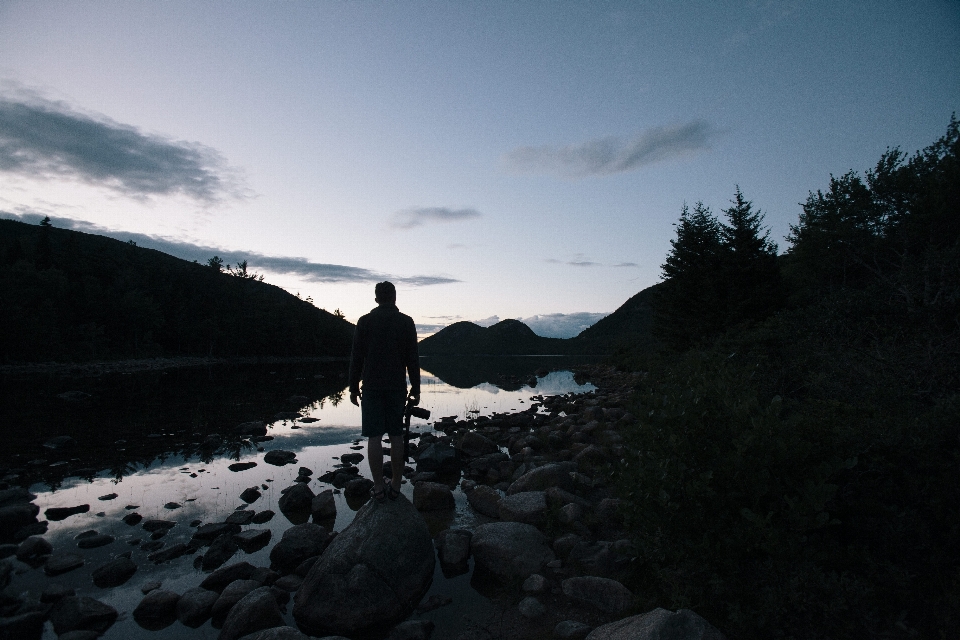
pixel 494 160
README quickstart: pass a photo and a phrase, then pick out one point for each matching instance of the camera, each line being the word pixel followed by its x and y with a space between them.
pixel 418 412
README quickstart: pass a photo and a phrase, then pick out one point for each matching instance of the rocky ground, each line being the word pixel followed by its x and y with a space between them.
pixel 550 554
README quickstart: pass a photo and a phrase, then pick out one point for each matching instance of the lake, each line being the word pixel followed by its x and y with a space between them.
pixel 160 443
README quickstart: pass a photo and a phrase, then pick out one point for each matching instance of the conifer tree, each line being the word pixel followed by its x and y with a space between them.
pixel 749 264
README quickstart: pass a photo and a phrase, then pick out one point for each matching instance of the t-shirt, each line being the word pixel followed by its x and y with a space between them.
pixel 385 351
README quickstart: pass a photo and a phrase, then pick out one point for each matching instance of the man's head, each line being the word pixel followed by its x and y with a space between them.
pixel 385 293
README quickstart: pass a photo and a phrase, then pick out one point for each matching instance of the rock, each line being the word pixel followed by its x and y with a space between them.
pixel 305 471
pixel 257 610
pixel 656 625
pixel 242 466
pixel 158 525
pixel 157 610
pixel 114 573
pixel 172 505
pixel 570 513
pixel 57 514
pixel 474 444
pixel 263 516
pixel 290 583
pixel 242 517
pixel 528 506
pixel 195 605
pixel 351 458
pixel 439 457
pixel 535 583
pixel 284 633
pixel 304 567
pixel 571 630
pixel 558 498
pixel 7 550
pixel 32 529
pixel 531 608
pixel 62 563
pixel 33 548
pixel 541 478
pixel 435 601
pixel 53 592
pixel 214 530
pixel 80 634
pixel 432 496
pixel 357 586
pixel 253 428
pixel 485 500
pixel 510 549
pixel 74 613
pixel 94 541
pixel 297 500
pixel 219 579
pixel 170 553
pixel 147 587
pixel 250 494
pixel 109 496
pixel 25 626
pixel 605 594
pixel 358 488
pixel 252 540
pixel 453 546
pixel 232 594
pixel 132 519
pixel 412 630
pixel 221 550
pixel 60 443
pixel 297 544
pixel 324 506
pixel 279 457
pixel 608 510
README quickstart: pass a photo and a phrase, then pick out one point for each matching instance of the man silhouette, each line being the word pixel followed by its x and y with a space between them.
pixel 384 354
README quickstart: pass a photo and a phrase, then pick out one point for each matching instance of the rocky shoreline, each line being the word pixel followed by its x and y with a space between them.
pixel 550 550
pixel 93 369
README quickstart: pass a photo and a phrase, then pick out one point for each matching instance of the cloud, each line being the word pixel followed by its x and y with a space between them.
pixel 411 218
pixel 606 156
pixel 562 325
pixel 487 322
pixel 301 267
pixel 45 139
pixel 626 264
pixel 578 260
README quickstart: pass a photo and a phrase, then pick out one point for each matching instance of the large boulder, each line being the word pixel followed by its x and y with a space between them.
pixel 297 544
pixel 296 502
pixel 221 550
pixel 432 496
pixel 283 633
pixel 486 500
pixel 279 457
pixel 73 613
pixel 257 610
pixel 658 624
pixel 219 579
pixel 324 506
pixel 510 549
pixel 453 546
pixel 195 606
pixel 14 517
pixel 157 610
pixel 474 444
pixel 232 594
pixel 439 457
pixel 528 506
pixel 605 594
pixel 25 626
pixel 372 575
pixel 114 573
pixel 542 478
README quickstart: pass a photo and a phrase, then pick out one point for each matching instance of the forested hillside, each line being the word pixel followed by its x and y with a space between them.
pixel 67 295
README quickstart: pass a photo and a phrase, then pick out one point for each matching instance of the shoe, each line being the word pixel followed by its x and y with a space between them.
pixel 392 493
pixel 380 496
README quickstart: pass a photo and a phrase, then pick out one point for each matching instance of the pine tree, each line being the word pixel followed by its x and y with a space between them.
pixel 749 264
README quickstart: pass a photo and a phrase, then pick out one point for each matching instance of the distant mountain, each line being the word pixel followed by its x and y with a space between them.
pixel 67 295
pixel 627 326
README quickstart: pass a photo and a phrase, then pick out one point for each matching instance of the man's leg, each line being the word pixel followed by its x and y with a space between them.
pixel 396 460
pixel 375 458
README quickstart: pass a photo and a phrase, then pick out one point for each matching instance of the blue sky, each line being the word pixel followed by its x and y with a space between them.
pixel 502 159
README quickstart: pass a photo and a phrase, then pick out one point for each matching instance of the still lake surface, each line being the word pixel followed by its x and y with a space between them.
pixel 141 436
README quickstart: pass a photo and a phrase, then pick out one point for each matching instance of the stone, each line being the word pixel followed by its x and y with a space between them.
pixel 54 592
pixel 412 630
pixel 195 605
pixel 528 506
pixel 297 544
pixel 608 510
pixel 32 529
pixel 432 496
pixel 241 517
pixel 214 530
pixel 252 540
pixel 541 478
pixel 158 525
pixel 558 498
pixel 609 596
pixel 56 514
pixel 132 519
pixel 279 457
pixel 570 513
pixel 358 488
pixel 563 545
pixel 571 630
pixel 94 541
pixel 263 516
pixel 242 466
pixel 250 494
pixel 474 444
pixel 147 587
pixel 172 505
pixel 357 586
pixel 434 601
pixel 7 550
pixel 114 573
pixel 510 549
pixel 532 608
pixel 658 624
pixel 170 553
pixel 73 613
pixel 453 546
pixel 290 583
pixel 305 471
pixel 231 595
pixel 33 548
pixel 485 500
pixel 351 458
pixel 15 495
pixel 304 567
pixel 219 579
pixel 535 583
pixel 79 634
pixel 62 563
pixel 257 610
pixel 25 626
pixel 439 457
pixel 157 610
pixel 221 550
pixel 324 506
pixel 297 500
pixel 284 633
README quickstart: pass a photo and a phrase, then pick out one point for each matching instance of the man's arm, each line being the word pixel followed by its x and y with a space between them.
pixel 356 362
pixel 413 362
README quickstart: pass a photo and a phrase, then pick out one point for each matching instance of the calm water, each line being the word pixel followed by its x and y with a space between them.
pixel 140 436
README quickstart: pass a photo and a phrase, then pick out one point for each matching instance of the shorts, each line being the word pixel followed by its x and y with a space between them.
pixel 381 411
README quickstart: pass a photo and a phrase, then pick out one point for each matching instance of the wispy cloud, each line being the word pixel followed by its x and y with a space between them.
pixel 562 325
pixel 301 267
pixel 40 138
pixel 578 260
pixel 411 218
pixel 626 264
pixel 605 156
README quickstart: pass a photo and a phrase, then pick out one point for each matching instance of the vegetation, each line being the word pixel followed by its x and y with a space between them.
pixel 72 296
pixel 793 472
